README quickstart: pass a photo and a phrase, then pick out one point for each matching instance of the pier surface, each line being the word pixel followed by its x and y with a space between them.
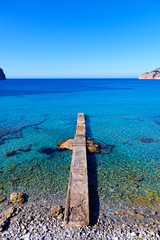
pixel 77 204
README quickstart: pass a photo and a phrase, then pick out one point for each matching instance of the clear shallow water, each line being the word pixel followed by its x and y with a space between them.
pixel 37 113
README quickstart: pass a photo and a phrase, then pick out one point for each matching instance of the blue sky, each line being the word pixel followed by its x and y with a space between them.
pixel 80 38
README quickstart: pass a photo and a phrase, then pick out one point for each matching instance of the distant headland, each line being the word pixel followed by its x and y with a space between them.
pixel 2 75
pixel 155 74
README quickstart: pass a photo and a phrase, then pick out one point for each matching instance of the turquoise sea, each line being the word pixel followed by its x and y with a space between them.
pixel 122 114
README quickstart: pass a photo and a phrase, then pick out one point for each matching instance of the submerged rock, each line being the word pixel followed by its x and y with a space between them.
pixel 141 201
pixel 17 197
pixel 155 74
pixel 15 179
pixel 92 146
pixel 2 198
pixel 26 149
pixel 138 179
pixel 2 75
pixel 146 140
pixel 11 153
pixel 106 148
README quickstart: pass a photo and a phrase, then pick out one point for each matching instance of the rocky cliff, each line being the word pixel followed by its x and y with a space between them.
pixel 151 75
pixel 2 75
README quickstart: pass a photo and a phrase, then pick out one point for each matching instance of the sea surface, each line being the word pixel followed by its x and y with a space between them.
pixel 121 114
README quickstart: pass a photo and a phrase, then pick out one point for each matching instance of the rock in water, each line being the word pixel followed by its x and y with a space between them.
pixel 155 74
pixel 146 140
pixel 66 144
pixel 2 75
pixel 92 146
pixel 17 197
pixel 11 153
pixel 2 198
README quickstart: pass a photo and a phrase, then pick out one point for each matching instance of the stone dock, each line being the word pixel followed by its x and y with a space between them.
pixel 77 203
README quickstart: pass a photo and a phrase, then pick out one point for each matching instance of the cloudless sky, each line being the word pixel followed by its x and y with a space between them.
pixel 79 38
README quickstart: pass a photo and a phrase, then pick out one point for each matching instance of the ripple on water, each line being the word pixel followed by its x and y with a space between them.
pixel 116 118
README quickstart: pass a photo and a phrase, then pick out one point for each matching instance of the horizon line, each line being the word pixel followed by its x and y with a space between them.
pixel 72 78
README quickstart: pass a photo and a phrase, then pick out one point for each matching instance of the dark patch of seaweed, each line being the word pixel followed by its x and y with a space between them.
pixel 14 134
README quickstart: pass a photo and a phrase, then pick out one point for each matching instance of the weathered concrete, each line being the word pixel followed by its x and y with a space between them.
pixel 77 204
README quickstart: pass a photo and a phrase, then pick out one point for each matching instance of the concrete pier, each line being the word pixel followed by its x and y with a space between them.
pixel 77 203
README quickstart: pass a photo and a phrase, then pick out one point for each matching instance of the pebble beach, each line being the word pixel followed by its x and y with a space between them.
pixel 33 221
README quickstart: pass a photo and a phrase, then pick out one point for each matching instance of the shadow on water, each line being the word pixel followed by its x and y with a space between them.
pixel 92 180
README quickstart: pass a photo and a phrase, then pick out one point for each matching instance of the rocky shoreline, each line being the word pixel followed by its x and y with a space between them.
pixel 2 75
pixel 155 74
pixel 33 220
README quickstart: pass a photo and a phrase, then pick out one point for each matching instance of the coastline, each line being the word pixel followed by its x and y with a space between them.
pixel 34 221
